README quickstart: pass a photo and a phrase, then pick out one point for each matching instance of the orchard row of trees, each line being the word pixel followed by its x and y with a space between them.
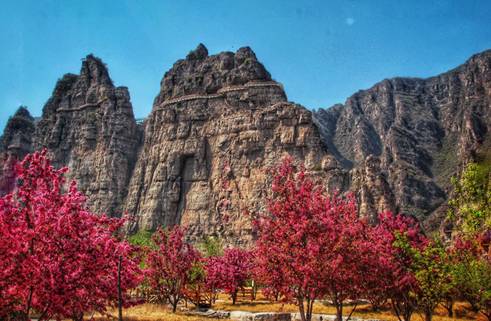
pixel 61 261
pixel 314 246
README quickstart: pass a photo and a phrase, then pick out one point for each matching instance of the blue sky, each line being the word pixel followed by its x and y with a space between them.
pixel 322 51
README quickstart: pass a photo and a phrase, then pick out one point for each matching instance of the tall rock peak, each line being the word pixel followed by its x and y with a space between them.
pixel 18 132
pixel 244 53
pixel 217 124
pixel 23 112
pixel 94 71
pixel 201 74
pixel 199 53
pixel 89 126
pixel 15 143
pixel 64 84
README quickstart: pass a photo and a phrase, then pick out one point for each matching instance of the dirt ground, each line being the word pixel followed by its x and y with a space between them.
pixel 154 312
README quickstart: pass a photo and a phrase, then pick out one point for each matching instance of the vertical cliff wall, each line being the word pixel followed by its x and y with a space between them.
pixel 87 125
pixel 217 125
pixel 219 122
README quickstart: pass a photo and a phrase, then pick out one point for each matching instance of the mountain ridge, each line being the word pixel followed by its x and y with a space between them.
pixel 220 120
pixel 425 114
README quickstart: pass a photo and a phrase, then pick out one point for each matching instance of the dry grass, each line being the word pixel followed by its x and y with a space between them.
pixel 362 311
pixel 148 312
pixel 153 312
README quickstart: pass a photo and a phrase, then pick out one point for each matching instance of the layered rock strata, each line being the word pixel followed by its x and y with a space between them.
pixel 406 136
pixel 87 125
pixel 219 122
pixel 217 125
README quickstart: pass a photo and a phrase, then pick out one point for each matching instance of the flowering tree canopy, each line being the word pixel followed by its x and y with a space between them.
pixel 169 265
pixel 56 257
pixel 394 241
pixel 310 245
pixel 230 271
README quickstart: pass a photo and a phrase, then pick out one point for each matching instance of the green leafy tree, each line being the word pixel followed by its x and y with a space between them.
pixel 474 280
pixel 470 208
pixel 472 274
pixel 432 270
pixel 141 239
pixel 211 246
pixel 198 291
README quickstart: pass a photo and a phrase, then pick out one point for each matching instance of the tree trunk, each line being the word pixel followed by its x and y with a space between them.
pixel 352 311
pixel 174 306
pixel 21 316
pixel 28 305
pixel 212 298
pixel 234 297
pixel 301 309
pixel 253 291
pixel 120 294
pixel 407 314
pixel 78 317
pixel 403 309
pixel 449 307
pixel 310 308
pixel 428 314
pixel 339 311
pixel 215 296
pixel 339 308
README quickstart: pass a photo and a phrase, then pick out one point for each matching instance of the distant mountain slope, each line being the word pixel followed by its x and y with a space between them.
pixel 420 131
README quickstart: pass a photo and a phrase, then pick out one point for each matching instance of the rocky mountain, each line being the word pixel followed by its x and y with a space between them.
pixel 87 125
pixel 15 143
pixel 217 124
pixel 412 133
pixel 220 121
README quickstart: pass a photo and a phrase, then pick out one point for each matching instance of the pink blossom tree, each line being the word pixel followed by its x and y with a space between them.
pixel 170 264
pixel 230 271
pixel 393 276
pixel 57 258
pixel 310 245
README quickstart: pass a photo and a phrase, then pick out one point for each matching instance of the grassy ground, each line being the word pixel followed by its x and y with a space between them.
pixel 148 312
pixel 362 311
pixel 153 312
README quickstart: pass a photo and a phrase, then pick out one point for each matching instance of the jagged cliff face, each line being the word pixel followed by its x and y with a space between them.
pixel 17 135
pixel 413 134
pixel 87 125
pixel 201 157
pixel 217 124
pixel 15 143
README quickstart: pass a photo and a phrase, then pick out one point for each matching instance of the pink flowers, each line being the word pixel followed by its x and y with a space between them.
pixel 310 245
pixel 169 265
pixel 55 256
pixel 229 272
pixel 314 246
pixel 60 260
